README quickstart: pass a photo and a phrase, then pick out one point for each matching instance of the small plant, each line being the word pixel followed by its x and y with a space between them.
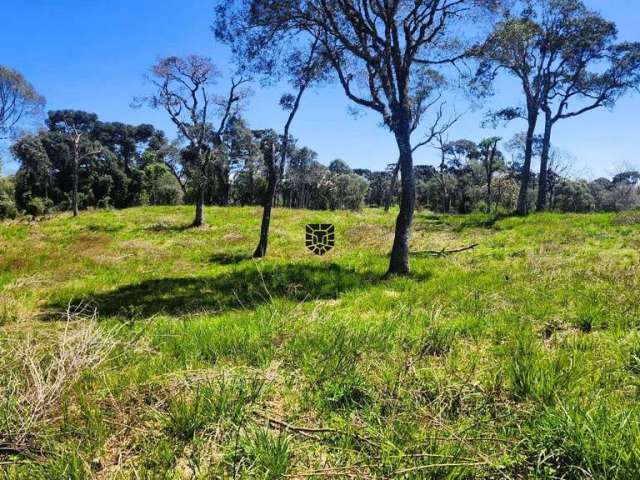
pixel 268 454
pixel 533 373
pixel 437 341
pixel 191 413
pixel 32 386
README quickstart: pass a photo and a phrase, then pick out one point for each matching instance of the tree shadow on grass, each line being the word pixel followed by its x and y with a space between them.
pixel 161 227
pixel 225 258
pixel 246 287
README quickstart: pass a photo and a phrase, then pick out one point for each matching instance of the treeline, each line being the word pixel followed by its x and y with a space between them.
pixel 78 161
pixel 116 165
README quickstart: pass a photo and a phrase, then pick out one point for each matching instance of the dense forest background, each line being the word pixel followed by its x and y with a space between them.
pixel 131 165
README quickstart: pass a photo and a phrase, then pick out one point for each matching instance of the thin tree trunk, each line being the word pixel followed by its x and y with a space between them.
pixel 489 171
pixel 75 185
pixel 399 262
pixel 263 244
pixel 443 185
pixel 276 173
pixel 544 163
pixel 526 167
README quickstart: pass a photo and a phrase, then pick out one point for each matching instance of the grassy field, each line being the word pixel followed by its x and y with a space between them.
pixel 133 347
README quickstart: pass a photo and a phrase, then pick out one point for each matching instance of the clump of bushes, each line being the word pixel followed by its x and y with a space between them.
pixel 8 207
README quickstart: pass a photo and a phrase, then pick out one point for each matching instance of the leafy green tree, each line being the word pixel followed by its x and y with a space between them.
pixel 590 69
pixel 561 53
pixel 76 126
pixel 339 166
pixel 492 161
pixel 350 191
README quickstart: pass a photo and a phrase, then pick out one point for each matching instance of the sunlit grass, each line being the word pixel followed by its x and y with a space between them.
pixel 516 359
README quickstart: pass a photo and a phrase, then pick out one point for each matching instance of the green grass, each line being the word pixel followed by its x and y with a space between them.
pixel 517 359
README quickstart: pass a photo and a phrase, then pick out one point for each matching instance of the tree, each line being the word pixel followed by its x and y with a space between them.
pixel 384 55
pixel 586 69
pixel 561 52
pixel 257 51
pixel 513 46
pixel 269 146
pixel 76 127
pixel 492 161
pixel 182 91
pixel 339 167
pixel 18 100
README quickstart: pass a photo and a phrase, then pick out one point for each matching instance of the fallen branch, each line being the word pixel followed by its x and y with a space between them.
pixel 311 432
pixel 444 252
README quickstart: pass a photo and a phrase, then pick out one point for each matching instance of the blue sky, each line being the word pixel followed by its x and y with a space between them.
pixel 92 55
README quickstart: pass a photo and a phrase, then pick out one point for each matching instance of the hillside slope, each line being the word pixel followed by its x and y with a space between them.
pixel 134 347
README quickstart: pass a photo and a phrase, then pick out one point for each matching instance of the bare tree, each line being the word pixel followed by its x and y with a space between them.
pixel 18 100
pixel 182 90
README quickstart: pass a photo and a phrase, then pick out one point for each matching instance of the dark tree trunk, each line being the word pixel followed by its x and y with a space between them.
pixel 392 187
pixel 76 174
pixel 261 249
pixel 526 167
pixel 544 164
pixel 489 171
pixel 199 220
pixel 399 262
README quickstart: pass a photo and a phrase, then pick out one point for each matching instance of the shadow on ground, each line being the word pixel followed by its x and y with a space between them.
pixel 225 258
pixel 246 287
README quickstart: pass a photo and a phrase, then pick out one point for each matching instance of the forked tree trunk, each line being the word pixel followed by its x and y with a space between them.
pixel 399 262
pixel 544 164
pixel 526 168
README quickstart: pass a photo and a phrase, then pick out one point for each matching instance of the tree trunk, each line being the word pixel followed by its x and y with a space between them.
pixel 75 186
pixel 199 220
pixel 544 164
pixel 399 262
pixel 489 172
pixel 392 187
pixel 261 249
pixel 526 168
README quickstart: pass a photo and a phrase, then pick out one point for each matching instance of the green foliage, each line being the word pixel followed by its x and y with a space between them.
pixel 534 374
pixel 583 440
pixel 269 455
pixel 8 207
pixel 191 413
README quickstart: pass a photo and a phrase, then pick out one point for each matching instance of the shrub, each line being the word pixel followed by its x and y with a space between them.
pixel 35 376
pixel 37 206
